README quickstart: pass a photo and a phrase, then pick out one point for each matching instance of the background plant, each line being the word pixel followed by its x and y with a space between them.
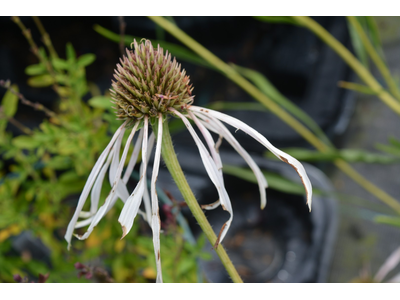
pixel 44 169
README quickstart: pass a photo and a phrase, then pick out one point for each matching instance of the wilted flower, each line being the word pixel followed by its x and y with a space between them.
pixel 149 87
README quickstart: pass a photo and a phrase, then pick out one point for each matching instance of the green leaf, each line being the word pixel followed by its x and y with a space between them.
pixel 25 142
pixel 101 102
pixel 389 220
pixel 70 52
pixel 360 88
pixel 274 180
pixel 37 69
pixel 59 163
pixel 358 46
pixel 60 64
pixel 10 102
pixel 373 32
pixel 393 148
pixel 180 52
pixel 41 80
pixel 9 105
pixel 86 59
pixel 277 19
pixel 261 82
pixel 395 142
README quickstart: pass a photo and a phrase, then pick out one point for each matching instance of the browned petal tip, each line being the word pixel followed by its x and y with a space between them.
pixel 124 231
pixel 219 237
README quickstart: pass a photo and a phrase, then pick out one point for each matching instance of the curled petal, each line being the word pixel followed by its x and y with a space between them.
pixel 121 190
pixel 131 207
pixel 89 183
pixel 216 126
pixel 210 142
pixel 211 206
pixel 110 200
pixel 134 157
pixel 95 194
pixel 155 218
pixel 213 172
pixel 146 197
pixel 262 140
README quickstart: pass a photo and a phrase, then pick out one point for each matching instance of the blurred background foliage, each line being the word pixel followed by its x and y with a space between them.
pixel 43 170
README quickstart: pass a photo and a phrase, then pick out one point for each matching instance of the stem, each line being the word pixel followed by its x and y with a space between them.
pixel 172 163
pixel 276 109
pixel 42 58
pixel 351 60
pixel 45 37
pixel 375 57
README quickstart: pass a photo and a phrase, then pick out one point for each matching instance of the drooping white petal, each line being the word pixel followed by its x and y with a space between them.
pixel 212 171
pixel 121 191
pixel 89 183
pixel 110 198
pixel 146 197
pixel 131 207
pixel 210 142
pixel 211 206
pixel 134 157
pixel 262 140
pixel 96 190
pixel 216 126
pixel 155 218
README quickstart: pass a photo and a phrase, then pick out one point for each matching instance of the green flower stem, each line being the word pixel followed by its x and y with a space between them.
pixel 351 60
pixel 282 114
pixel 172 163
pixel 375 57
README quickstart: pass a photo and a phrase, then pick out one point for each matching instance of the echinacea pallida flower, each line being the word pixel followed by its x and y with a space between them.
pixel 149 88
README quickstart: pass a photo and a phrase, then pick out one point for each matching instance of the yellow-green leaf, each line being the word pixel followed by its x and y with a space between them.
pixel 37 69
pixel 25 142
pixel 41 80
pixel 101 102
pixel 10 102
pixel 86 59
pixel 9 106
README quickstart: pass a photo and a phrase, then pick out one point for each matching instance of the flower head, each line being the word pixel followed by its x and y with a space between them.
pixel 149 83
pixel 150 86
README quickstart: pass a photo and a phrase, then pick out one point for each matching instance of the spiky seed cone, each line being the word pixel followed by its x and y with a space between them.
pixel 149 82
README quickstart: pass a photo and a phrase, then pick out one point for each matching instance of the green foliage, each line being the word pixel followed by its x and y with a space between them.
pixel 393 148
pixel 42 174
pixel 388 220
pixel 277 19
pixel 180 52
pixel 8 108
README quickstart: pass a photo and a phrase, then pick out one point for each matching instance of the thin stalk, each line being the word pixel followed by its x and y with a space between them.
pixel 351 60
pixel 42 58
pixel 276 109
pixel 45 37
pixel 17 124
pixel 375 57
pixel 172 163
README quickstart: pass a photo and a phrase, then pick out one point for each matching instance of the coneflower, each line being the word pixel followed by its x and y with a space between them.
pixel 149 88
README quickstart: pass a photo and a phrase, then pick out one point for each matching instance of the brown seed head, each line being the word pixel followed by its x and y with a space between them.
pixel 149 82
